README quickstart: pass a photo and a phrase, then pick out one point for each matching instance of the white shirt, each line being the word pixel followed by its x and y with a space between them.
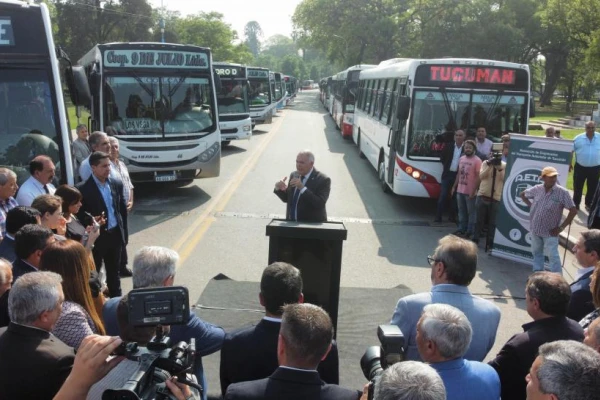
pixel 31 189
pixel 455 158
pixel 484 148
pixel 582 271
pixel 304 180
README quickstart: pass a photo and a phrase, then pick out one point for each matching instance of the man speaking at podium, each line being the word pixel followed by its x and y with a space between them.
pixel 307 192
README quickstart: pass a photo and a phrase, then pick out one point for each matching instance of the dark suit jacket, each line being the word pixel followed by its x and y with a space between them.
pixel 93 203
pixel 7 249
pixel 290 384
pixel 34 363
pixel 251 353
pixel 20 267
pixel 311 204
pixel 446 157
pixel 581 298
pixel 4 317
pixel 516 357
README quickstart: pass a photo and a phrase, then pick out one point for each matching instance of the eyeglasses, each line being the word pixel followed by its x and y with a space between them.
pixel 431 260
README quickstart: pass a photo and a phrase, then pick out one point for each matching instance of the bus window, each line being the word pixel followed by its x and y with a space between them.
pixel 369 95
pixel 431 118
pixel 376 99
pixel 498 114
pixel 386 112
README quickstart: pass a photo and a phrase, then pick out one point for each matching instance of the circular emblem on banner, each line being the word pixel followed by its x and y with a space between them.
pixel 517 183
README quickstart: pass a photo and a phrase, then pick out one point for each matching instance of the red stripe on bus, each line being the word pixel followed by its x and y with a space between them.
pixel 431 185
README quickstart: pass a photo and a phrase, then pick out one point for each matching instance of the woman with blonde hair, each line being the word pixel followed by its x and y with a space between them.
pixel 79 317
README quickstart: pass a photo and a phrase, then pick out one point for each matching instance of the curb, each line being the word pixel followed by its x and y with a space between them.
pixel 567 241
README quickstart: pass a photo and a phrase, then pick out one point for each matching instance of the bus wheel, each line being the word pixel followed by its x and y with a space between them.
pixel 225 143
pixel 381 173
pixel 360 152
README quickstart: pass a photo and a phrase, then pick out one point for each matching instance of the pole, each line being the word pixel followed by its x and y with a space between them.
pixel 162 22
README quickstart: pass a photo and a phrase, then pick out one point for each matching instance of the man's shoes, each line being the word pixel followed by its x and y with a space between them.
pixel 125 272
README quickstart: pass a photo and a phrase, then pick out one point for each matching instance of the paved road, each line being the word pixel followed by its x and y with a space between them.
pixel 218 226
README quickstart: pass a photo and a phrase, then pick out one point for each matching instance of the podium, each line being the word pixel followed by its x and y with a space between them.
pixel 315 248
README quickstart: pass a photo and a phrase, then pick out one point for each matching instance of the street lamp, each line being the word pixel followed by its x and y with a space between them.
pixel 162 22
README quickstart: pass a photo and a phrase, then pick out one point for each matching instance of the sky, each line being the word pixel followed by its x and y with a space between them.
pixel 274 16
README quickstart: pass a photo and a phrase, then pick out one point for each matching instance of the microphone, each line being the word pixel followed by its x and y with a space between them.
pixel 295 175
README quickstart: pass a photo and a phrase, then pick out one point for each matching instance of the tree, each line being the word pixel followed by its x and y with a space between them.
pixel 252 32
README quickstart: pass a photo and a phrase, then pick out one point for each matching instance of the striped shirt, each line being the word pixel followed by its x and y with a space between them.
pixel 5 207
pixel 121 170
pixel 547 208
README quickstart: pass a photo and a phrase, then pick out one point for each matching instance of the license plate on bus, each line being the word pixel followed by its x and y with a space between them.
pixel 168 176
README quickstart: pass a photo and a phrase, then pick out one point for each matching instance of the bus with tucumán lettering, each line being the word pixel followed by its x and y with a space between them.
pixel 233 102
pixel 408 110
pixel 33 116
pixel 262 95
pixel 344 91
pixel 160 101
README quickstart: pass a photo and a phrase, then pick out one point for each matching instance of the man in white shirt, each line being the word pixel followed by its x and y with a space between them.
pixel 484 145
pixel 42 172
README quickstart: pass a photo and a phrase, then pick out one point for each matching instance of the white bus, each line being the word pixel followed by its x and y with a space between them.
pixel 408 110
pixel 279 91
pixel 33 116
pixel 159 100
pixel 262 95
pixel 233 102
pixel 344 91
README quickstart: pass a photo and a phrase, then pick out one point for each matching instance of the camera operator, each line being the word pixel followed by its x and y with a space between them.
pixel 443 336
pixel 155 266
pixel 304 341
pixel 491 182
pixel 409 380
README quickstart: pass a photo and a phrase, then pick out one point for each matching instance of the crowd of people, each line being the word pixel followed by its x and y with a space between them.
pixel 62 322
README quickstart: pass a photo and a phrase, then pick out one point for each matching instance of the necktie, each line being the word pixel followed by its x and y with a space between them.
pixel 295 199
pixel 46 189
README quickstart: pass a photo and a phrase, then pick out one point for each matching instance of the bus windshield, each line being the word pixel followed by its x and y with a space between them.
pixel 259 92
pixel 27 119
pixel 158 106
pixel 437 114
pixel 233 98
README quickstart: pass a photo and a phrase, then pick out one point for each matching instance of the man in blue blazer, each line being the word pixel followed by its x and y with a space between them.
pixel 103 195
pixel 307 192
pixel 587 253
pixel 453 267
pixel 304 340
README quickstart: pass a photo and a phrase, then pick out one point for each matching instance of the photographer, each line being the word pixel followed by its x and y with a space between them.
pixel 155 266
pixel 491 182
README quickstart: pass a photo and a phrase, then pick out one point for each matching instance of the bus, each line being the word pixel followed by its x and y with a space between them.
pixel 279 90
pixel 233 102
pixel 290 87
pixel 308 84
pixel 408 110
pixel 159 100
pixel 33 116
pixel 331 83
pixel 344 90
pixel 262 91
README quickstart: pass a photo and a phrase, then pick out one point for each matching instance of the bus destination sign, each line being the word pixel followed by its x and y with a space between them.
pixel 155 59
pixel 7 37
pixel 453 74
pixel 229 72
pixel 258 73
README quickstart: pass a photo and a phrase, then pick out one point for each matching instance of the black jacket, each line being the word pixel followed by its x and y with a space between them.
pixel 581 298
pixel 446 157
pixel 93 203
pixel 518 354
pixel 289 384
pixel 251 353
pixel 7 249
pixel 311 204
pixel 34 363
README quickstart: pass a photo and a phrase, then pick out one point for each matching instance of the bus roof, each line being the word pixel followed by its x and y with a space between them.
pixel 261 68
pixel 399 67
pixel 340 76
pixel 217 63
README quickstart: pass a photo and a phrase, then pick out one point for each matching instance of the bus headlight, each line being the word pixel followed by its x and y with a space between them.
pixel 247 128
pixel 416 174
pixel 209 153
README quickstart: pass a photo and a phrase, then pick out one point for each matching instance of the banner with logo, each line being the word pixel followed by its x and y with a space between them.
pixel 527 157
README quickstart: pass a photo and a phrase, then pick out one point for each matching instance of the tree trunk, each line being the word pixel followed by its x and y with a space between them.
pixel 556 64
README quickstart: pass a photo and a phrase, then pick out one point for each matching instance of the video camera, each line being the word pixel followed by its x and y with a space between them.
pixel 377 358
pixel 496 157
pixel 158 360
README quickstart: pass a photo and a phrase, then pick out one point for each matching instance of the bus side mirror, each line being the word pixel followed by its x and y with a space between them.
pixel 531 107
pixel 403 108
pixel 217 79
pixel 79 89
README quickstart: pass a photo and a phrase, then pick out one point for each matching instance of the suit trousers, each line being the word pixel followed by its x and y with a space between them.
pixel 446 185
pixel 107 249
pixel 580 175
